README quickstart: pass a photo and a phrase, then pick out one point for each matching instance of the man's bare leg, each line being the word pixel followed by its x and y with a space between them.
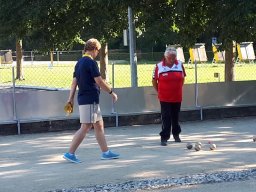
pixel 100 135
pixel 79 137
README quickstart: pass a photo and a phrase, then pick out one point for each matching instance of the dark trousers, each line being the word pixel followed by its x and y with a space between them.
pixel 170 119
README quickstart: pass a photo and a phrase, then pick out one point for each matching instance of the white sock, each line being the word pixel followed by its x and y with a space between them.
pixel 106 152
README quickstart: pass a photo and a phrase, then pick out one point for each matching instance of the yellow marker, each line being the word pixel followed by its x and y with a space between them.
pixel 191 53
pixel 215 53
pixel 239 52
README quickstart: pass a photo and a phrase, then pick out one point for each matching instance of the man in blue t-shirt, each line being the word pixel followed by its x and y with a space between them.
pixel 88 79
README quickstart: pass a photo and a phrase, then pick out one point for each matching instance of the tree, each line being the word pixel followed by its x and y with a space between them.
pixel 16 19
pixel 155 21
pixel 62 23
pixel 106 21
pixel 25 18
pixel 228 20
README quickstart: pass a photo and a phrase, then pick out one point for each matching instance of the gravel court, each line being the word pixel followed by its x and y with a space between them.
pixel 248 186
pixel 34 163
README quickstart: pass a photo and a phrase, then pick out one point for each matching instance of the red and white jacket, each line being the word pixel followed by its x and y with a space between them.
pixel 170 81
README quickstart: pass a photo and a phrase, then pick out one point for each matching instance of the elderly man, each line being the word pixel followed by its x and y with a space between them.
pixel 88 79
pixel 168 80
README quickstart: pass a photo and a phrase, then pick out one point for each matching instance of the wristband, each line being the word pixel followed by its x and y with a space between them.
pixel 111 92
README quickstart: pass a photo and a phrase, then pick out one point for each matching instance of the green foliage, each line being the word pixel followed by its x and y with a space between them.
pixel 226 19
pixel 106 21
pixel 61 23
pixel 156 18
pixel 16 17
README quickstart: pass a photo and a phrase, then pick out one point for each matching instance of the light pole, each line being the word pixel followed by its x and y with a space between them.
pixel 133 55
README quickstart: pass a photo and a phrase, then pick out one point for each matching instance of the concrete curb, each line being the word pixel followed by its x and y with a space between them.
pixel 127 120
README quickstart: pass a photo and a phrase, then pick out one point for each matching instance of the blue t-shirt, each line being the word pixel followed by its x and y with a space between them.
pixel 86 70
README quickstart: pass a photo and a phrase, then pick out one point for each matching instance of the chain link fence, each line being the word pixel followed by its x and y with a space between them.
pixel 40 72
pixel 5 76
pixel 42 75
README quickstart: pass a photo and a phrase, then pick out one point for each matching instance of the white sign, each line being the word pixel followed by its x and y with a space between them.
pixel 125 37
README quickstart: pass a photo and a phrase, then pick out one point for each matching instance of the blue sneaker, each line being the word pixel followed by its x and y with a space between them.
pixel 71 157
pixel 109 155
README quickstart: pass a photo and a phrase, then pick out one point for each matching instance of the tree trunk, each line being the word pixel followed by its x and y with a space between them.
pixel 104 61
pixel 51 57
pixel 19 59
pixel 229 62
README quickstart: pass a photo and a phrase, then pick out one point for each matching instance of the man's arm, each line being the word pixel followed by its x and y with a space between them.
pixel 155 78
pixel 105 87
pixel 155 84
pixel 72 91
pixel 184 74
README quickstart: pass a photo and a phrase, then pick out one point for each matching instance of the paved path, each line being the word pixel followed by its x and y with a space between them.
pixel 34 162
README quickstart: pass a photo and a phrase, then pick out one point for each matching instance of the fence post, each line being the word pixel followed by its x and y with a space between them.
pixel 196 85
pixel 113 110
pixel 32 57
pixel 113 75
pixel 58 57
pixel 14 99
pixel 196 92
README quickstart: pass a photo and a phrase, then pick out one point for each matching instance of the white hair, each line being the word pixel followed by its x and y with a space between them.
pixel 170 50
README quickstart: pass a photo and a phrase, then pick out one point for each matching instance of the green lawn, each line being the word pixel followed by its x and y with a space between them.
pixel 60 76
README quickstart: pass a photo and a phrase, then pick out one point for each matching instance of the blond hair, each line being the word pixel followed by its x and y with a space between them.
pixel 92 44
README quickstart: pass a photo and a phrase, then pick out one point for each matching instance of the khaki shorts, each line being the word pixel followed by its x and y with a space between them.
pixel 90 113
